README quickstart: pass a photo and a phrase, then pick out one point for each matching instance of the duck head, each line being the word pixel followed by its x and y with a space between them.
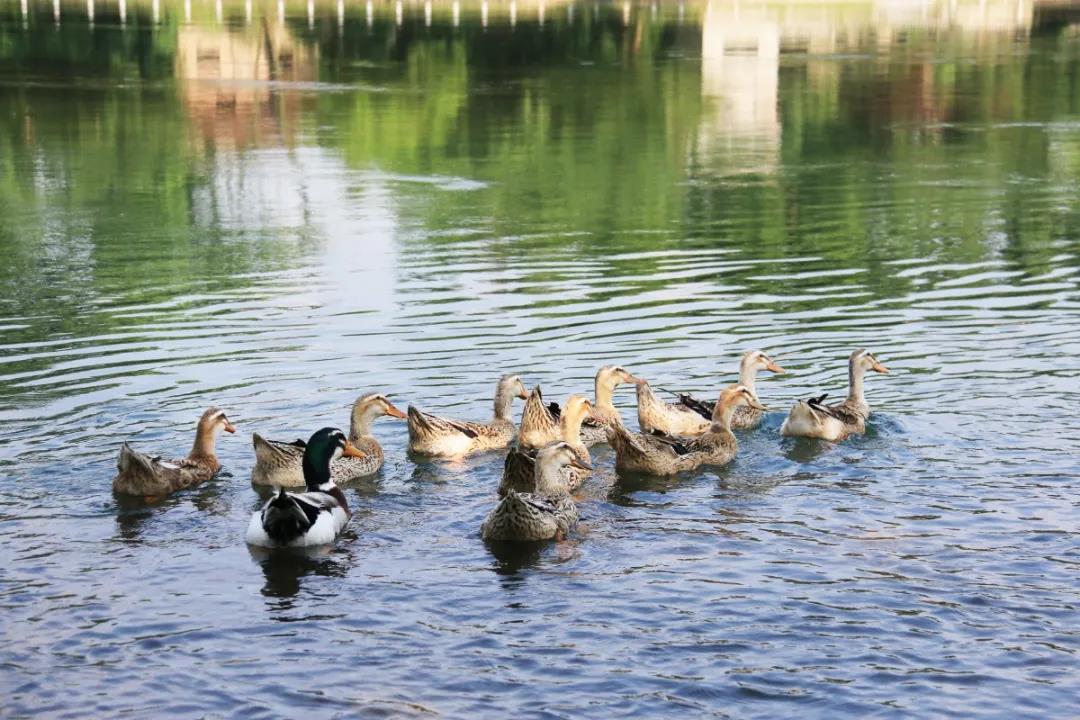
pixel 323 448
pixel 210 424
pixel 550 460
pixel 509 387
pixel 367 409
pixel 732 397
pixel 862 360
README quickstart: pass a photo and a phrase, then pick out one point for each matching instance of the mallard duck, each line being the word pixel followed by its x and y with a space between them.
pixel 152 477
pixel 314 517
pixel 539 422
pixel 279 463
pixel 659 454
pixel 519 470
pixel 604 414
pixel 547 512
pixel 442 437
pixel 691 416
pixel 814 419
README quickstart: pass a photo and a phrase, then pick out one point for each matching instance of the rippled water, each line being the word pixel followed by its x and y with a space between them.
pixel 276 215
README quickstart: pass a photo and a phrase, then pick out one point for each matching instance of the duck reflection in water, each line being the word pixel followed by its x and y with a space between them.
pixel 133 512
pixel 285 569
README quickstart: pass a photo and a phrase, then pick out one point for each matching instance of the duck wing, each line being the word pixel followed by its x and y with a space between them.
pixel 427 424
pixel 704 408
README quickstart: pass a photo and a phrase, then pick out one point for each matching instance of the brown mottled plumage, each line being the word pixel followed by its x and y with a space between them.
pixel 444 437
pixel 519 468
pixel 814 419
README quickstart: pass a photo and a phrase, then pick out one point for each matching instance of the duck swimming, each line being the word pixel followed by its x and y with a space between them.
pixel 539 422
pixel 444 437
pixel 520 466
pixel 279 463
pixel 152 477
pixel 814 419
pixel 315 517
pixel 544 514
pixel 691 416
pixel 659 454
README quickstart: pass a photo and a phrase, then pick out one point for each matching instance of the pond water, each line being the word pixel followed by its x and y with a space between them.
pixel 274 207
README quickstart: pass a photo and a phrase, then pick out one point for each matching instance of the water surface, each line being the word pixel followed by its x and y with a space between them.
pixel 275 207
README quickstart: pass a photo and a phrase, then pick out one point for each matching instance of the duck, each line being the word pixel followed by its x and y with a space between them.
pixel 520 465
pixel 546 513
pixel 661 454
pixel 279 463
pixel 539 422
pixel 315 517
pixel 152 478
pixel 444 437
pixel 604 414
pixel 812 418
pixel 691 416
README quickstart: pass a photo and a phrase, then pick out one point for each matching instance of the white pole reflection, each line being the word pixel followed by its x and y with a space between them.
pixel 247 12
pixel 540 14
pixel 155 11
pixel 90 12
pixel 398 12
pixel 625 14
pixel 370 10
pixel 281 11
pixel 455 10
pixel 311 14
pixel 123 12
pixel 427 13
pixel 187 11
pixel 56 12
pixel 341 16
pixel 570 14
pixel 218 13
pixel 483 14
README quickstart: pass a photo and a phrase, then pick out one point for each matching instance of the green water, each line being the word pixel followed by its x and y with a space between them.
pixel 274 208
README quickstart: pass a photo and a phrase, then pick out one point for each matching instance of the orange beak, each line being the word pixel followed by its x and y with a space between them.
pixel 352 451
pixel 631 379
pixel 394 412
pixel 878 367
pixel 773 367
pixel 229 427
pixel 523 395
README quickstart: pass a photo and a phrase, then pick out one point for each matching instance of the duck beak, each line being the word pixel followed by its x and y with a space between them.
pixel 580 464
pixel 756 404
pixel 229 427
pixel 879 368
pixel 392 411
pixel 523 395
pixel 352 451
pixel 631 379
pixel 773 367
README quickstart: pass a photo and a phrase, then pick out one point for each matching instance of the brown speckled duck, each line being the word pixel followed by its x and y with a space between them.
pixel 814 419
pixel 667 455
pixel 691 416
pixel 546 513
pixel 444 437
pixel 519 469
pixel 279 463
pixel 539 422
pixel 152 477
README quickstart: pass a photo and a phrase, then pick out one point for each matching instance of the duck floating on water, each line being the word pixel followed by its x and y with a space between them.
pixel 444 437
pixel 691 416
pixel 152 477
pixel 659 454
pixel 604 414
pixel 814 419
pixel 520 466
pixel 546 513
pixel 279 463
pixel 315 517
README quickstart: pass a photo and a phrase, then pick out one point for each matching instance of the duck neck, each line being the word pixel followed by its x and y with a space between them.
pixel 549 480
pixel 721 419
pixel 570 424
pixel 316 468
pixel 362 418
pixel 504 399
pixel 748 376
pixel 604 390
pixel 855 384
pixel 205 438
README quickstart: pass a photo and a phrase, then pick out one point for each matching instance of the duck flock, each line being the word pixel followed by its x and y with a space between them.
pixel 547 461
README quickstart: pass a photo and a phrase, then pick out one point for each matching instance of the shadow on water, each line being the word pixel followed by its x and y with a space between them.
pixel 513 557
pixel 134 512
pixel 284 570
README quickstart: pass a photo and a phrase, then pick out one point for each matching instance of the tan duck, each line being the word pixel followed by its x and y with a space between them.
pixel 667 455
pixel 544 514
pixel 539 422
pixel 814 419
pixel 604 414
pixel 443 437
pixel 152 477
pixel 519 468
pixel 691 416
pixel 279 463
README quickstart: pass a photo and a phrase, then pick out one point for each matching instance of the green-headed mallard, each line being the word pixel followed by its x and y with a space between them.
pixel 814 419
pixel 519 469
pixel 315 517
pixel 443 437
pixel 691 416
pixel 279 463
pixel 152 477
pixel 546 513
pixel 667 455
